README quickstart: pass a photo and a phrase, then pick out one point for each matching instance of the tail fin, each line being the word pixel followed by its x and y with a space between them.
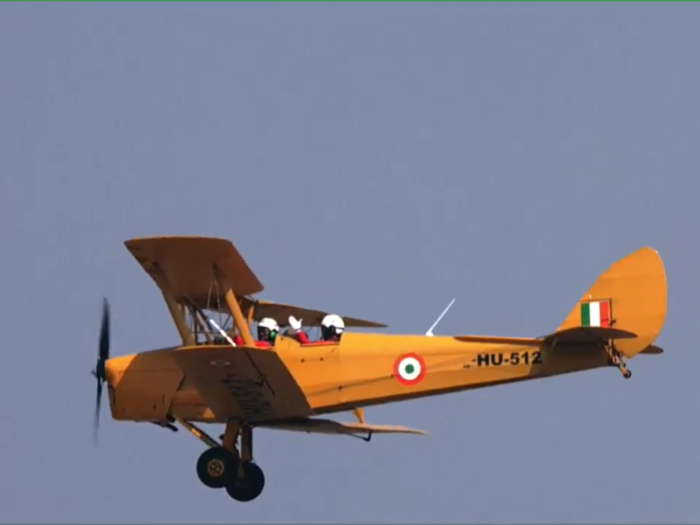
pixel 631 296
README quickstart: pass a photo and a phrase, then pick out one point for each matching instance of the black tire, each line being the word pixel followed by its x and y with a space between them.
pixel 215 466
pixel 248 488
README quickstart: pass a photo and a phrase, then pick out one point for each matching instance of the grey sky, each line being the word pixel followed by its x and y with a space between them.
pixel 374 160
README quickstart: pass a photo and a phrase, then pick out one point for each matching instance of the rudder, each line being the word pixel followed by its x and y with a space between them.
pixel 630 295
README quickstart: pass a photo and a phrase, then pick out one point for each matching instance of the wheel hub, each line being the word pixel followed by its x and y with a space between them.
pixel 216 468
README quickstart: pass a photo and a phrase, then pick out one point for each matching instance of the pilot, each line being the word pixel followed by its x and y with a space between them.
pixel 267 333
pixel 332 327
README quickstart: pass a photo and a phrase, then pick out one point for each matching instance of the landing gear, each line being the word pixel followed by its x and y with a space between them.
pixel 615 358
pixel 246 484
pixel 218 468
pixel 248 481
pixel 223 466
pixel 215 466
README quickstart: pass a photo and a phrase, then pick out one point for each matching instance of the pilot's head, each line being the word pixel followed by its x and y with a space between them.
pixel 332 328
pixel 268 330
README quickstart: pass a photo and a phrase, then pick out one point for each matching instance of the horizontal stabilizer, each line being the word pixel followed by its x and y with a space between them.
pixel 652 350
pixel 592 334
pixel 578 335
pixel 328 426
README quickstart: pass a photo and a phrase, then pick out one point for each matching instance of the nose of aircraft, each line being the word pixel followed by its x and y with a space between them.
pixel 114 368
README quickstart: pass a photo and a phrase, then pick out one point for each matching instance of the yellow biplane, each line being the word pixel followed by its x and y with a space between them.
pixel 209 378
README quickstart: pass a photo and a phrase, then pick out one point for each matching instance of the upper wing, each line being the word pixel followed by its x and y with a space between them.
pixel 246 383
pixel 281 312
pixel 187 263
pixel 328 426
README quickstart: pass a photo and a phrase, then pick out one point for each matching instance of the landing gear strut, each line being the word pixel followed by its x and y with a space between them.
pixel 248 480
pixel 223 466
pixel 247 483
pixel 615 358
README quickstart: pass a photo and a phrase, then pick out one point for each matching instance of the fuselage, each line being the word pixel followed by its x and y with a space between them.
pixel 360 371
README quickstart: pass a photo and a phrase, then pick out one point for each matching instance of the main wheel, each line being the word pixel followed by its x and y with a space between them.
pixel 215 466
pixel 250 486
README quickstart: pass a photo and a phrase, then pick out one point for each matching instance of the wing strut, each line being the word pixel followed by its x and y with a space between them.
pixel 177 315
pixel 262 377
pixel 233 305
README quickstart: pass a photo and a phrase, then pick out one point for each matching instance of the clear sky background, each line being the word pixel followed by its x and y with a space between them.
pixel 376 161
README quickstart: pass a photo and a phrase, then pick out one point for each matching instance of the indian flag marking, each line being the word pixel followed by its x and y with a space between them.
pixel 596 313
pixel 409 369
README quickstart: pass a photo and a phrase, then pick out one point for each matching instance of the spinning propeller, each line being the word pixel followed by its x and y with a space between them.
pixel 99 371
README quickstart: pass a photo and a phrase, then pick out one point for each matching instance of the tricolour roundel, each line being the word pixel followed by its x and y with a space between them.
pixel 409 369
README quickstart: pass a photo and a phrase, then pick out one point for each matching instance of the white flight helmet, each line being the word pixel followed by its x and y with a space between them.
pixel 332 325
pixel 268 329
